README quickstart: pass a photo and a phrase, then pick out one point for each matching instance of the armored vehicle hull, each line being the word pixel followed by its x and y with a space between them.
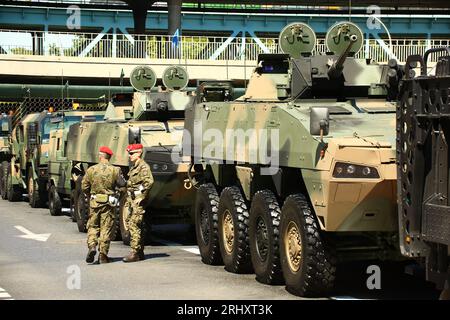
pixel 299 173
pixel 132 121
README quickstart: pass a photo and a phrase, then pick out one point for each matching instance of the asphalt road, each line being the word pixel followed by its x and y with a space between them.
pixel 49 264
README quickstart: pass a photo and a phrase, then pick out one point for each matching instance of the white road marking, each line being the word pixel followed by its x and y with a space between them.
pixel 33 236
pixel 193 250
pixel 5 295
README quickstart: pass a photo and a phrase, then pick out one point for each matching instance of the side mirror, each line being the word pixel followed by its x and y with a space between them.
pixel 319 121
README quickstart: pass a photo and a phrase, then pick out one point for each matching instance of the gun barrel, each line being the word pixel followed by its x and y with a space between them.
pixel 336 68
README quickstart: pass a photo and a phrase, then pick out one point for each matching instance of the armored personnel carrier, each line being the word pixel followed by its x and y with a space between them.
pixel 155 120
pixel 423 167
pixel 298 173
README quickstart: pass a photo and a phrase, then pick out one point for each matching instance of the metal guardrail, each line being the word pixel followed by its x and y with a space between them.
pixel 189 47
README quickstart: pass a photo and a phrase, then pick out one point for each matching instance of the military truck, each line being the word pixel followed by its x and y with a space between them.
pixel 423 166
pixel 29 142
pixel 299 173
pixel 27 170
pixel 152 119
pixel 59 186
pixel 5 152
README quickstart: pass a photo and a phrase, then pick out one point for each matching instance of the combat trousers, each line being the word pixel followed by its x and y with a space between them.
pixel 100 228
pixel 135 223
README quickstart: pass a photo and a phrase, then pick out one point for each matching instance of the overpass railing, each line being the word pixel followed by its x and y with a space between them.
pixel 95 45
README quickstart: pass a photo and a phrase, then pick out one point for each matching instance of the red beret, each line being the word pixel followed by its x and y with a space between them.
pixel 106 150
pixel 135 147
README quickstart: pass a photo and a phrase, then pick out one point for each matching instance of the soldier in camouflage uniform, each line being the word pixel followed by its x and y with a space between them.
pixel 99 183
pixel 138 186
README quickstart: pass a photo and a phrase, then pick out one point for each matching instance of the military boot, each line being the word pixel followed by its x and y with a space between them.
pixel 103 258
pixel 91 255
pixel 132 257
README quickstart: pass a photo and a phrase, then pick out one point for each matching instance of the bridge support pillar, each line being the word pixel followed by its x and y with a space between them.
pixel 174 7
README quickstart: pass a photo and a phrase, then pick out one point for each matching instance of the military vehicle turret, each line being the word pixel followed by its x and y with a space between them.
pixel 423 167
pixel 155 120
pixel 5 152
pixel 298 173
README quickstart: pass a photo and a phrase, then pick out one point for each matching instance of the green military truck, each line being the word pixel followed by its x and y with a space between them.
pixel 59 184
pixel 5 152
pixel 27 170
pixel 423 131
pixel 300 172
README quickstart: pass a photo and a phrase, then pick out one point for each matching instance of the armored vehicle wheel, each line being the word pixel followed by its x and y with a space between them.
pixel 14 192
pixel 73 196
pixel 206 224
pixel 264 235
pixel 36 196
pixel 81 207
pixel 54 201
pixel 123 221
pixel 3 180
pixel 308 264
pixel 233 231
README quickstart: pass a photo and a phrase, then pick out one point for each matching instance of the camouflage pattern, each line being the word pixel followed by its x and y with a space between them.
pixel 158 135
pixel 100 228
pixel 60 173
pixel 100 181
pixel 139 183
pixel 362 131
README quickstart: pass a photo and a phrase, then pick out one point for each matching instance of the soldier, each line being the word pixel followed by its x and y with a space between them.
pixel 100 182
pixel 138 186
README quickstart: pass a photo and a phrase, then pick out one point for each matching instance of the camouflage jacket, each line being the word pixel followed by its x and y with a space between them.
pixel 140 178
pixel 101 179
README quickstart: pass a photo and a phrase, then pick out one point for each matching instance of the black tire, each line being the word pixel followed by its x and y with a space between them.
pixel 206 208
pixel 36 194
pixel 123 215
pixel 3 180
pixel 264 235
pixel 233 218
pixel 73 196
pixel 54 201
pixel 312 273
pixel 14 192
pixel 81 207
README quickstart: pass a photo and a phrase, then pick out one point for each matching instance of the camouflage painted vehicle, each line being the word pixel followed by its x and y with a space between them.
pixel 27 171
pixel 29 145
pixel 59 185
pixel 5 152
pixel 423 167
pixel 300 172
pixel 152 119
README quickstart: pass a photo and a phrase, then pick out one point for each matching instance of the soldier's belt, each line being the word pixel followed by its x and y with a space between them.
pixel 100 198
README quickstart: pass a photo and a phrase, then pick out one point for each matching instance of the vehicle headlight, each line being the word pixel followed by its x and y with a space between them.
pixel 349 170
